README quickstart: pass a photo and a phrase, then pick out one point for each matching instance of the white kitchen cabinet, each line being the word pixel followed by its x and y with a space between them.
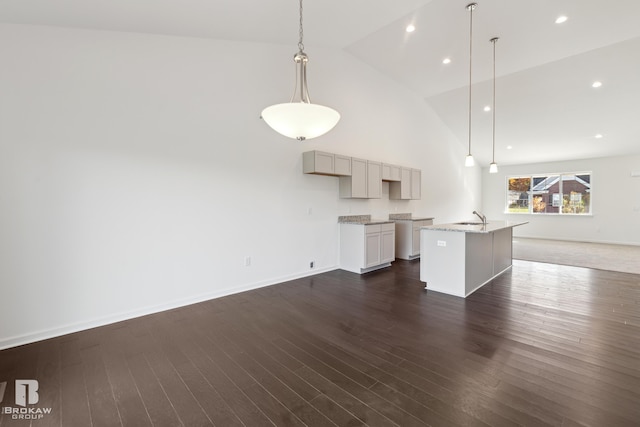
pixel 407 242
pixel 365 181
pixel 416 184
pixel 366 247
pixel 409 187
pixel 390 172
pixel 401 190
pixel 355 186
pixel 388 245
pixel 322 163
pixel 342 165
pixel 374 180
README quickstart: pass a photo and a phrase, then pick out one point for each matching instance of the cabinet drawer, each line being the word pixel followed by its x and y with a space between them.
pixel 374 228
pixel 388 227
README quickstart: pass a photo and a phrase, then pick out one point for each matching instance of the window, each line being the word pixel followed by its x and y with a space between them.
pixel 566 193
pixel 518 195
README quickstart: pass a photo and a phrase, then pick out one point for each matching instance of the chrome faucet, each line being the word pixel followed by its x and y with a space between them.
pixel 481 216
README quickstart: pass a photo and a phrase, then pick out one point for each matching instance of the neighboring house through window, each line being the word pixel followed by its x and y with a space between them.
pixel 565 193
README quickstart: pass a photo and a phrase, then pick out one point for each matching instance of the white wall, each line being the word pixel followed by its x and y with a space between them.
pixel 615 201
pixel 136 175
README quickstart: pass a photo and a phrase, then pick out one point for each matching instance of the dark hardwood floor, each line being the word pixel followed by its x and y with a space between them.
pixel 541 345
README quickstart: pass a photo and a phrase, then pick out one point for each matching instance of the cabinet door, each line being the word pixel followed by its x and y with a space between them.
pixel 342 165
pixel 405 184
pixel 390 172
pixel 374 180
pixel 387 246
pixel 318 162
pixel 355 186
pixel 416 183
pixel 359 178
pixel 372 249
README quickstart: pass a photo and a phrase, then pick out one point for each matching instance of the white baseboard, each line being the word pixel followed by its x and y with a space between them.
pixel 119 317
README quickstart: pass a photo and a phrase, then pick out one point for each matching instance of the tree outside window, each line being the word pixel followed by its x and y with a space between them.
pixel 518 195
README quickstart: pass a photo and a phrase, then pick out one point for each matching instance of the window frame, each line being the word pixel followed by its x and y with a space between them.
pixel 548 198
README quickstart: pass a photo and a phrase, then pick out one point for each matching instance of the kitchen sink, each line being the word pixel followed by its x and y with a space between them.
pixel 470 223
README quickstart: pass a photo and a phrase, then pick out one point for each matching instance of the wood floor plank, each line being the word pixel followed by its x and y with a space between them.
pixel 242 406
pixel 541 345
pixel 48 376
pixel 154 397
pixel 102 404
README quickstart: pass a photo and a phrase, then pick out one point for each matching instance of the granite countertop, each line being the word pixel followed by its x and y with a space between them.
pixel 476 228
pixel 362 220
pixel 407 217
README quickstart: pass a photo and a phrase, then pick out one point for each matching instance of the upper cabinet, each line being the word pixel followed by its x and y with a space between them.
pixel 362 179
pixel 390 172
pixel 355 186
pixel 416 184
pixel 409 187
pixel 365 181
pixel 321 163
pixel 374 180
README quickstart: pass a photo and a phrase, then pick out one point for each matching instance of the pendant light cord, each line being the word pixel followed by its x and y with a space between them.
pixel 300 31
pixel 493 156
pixel 301 60
pixel 471 7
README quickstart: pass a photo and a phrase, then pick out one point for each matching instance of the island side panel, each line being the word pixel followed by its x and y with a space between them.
pixel 502 250
pixel 479 260
pixel 442 261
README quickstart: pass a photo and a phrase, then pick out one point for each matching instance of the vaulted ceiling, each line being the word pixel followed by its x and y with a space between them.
pixel 546 107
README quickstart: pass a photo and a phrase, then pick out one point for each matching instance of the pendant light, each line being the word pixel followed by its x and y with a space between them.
pixel 299 118
pixel 493 167
pixel 468 161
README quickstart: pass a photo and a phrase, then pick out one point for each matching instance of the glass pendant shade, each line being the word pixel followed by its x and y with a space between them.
pixel 493 167
pixel 300 120
pixel 468 161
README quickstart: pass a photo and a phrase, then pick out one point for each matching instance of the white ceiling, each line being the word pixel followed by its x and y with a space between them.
pixel 546 108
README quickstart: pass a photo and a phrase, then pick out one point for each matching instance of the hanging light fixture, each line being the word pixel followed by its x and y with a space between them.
pixel 493 167
pixel 468 161
pixel 299 118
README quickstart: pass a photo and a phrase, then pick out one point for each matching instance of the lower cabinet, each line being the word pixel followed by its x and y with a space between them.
pixel 365 248
pixel 408 237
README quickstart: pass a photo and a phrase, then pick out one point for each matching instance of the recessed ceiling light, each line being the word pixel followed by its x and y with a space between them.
pixel 446 61
pixel 509 147
pixel 596 84
pixel 561 19
pixel 487 108
pixel 411 28
pixel 598 136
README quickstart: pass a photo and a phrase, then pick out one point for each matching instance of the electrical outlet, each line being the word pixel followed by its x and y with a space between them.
pixel 247 261
pixel 312 264
pixel 442 243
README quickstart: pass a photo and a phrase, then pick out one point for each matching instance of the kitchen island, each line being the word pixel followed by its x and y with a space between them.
pixel 459 258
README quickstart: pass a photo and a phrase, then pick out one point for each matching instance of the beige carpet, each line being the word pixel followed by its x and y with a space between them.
pixel 623 258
